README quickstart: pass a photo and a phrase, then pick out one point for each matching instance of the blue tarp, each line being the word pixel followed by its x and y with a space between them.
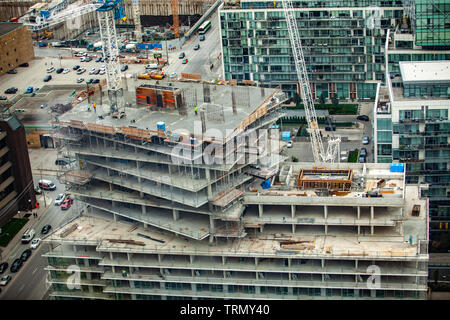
pixel 266 184
pixel 149 46
pixel 397 167
pixel 45 14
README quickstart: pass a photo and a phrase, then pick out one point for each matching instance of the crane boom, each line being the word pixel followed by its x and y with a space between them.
pixel 176 22
pixel 305 90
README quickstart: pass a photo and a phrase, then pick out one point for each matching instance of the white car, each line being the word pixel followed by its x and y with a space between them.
pixel 173 75
pixel 102 71
pixel 92 71
pixel 66 70
pixel 35 243
pixel 60 199
pixel 289 144
pixel 4 280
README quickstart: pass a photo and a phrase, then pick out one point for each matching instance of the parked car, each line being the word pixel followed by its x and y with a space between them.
pixel 50 70
pixel 202 38
pixel 43 106
pixel 87 59
pixel 46 185
pixel 12 71
pixel 173 75
pixel 35 243
pixel 328 128
pixel 29 90
pixel 181 56
pixel 184 61
pixel 82 59
pixel 26 254
pixel 97 71
pixel 16 265
pixel 3 267
pixel 196 47
pixel 92 71
pixel 3 98
pixel 60 199
pixel 76 67
pixel 124 68
pixel 46 229
pixel 28 235
pixel 96 81
pixel 24 65
pixel 63 161
pixel 344 156
pixel 59 70
pixel 81 70
pixel 80 80
pixel 4 280
pixel 66 70
pixel 363 152
pixel 98 59
pixel 102 71
pixel 11 90
pixel 47 78
pixel 365 140
pixel 289 144
pixel 362 118
pixel 66 204
pixel 362 159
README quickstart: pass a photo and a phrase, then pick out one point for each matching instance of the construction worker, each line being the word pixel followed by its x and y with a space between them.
pixel 124 273
pixel 195 109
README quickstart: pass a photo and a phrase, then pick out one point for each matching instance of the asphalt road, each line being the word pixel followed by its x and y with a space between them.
pixel 199 61
pixel 29 282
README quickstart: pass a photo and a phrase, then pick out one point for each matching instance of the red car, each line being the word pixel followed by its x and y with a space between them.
pixel 66 204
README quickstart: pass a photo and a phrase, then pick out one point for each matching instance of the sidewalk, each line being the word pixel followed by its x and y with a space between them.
pixel 30 224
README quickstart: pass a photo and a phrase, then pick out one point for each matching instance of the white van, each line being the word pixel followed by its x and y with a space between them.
pixel 152 66
pixel 50 70
pixel 28 235
pixel 47 185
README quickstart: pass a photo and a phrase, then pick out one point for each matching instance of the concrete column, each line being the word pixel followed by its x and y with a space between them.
pixel 290 291
pixel 110 186
pixel 359 212
pixel 75 248
pixel 111 255
pixel 162 286
pixel 129 256
pixel 371 230
pixel 209 188
pixel 113 269
pixel 256 261
pixel 139 180
pixel 91 289
pixel 373 293
pixel 323 292
pixel 224 260
pixel 115 217
pixel 144 209
pixel 323 263
pixel 160 257
pixel 176 214
pixel 194 287
pixel 356 264
pixel 293 228
pixel 326 229
pixel 359 230
pixel 257 290
pixel 225 288
pixel 191 258
pixel 86 262
pixel 261 229
pixel 356 293
pixel 145 225
pixel 293 211
pixel 325 212
pixel 372 212
pixel 211 224
pixel 260 210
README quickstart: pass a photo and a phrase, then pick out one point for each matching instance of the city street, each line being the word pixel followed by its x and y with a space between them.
pixel 29 281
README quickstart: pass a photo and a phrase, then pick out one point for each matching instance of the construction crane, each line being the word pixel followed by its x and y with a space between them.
pixel 176 21
pixel 108 12
pixel 319 153
pixel 137 20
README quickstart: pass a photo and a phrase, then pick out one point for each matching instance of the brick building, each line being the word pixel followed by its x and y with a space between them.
pixel 16 46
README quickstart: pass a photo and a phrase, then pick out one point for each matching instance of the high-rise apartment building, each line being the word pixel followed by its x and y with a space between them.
pixel 411 125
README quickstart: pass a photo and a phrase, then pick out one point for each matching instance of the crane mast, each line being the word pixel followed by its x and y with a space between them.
pixel 137 20
pixel 110 11
pixel 319 153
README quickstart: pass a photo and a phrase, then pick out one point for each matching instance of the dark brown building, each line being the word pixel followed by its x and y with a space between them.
pixel 16 46
pixel 16 179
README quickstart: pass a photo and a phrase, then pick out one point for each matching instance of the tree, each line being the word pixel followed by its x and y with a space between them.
pixel 322 98
pixel 335 100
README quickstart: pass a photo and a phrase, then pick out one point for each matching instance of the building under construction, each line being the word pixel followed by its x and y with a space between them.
pixel 183 196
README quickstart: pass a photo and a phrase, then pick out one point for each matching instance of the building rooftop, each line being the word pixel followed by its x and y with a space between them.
pixel 249 102
pixel 7 27
pixel 428 72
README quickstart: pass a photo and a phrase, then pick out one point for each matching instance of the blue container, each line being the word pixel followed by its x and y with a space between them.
pixel 286 135
pixel 397 167
pixel 161 126
pixel 266 184
pixel 45 14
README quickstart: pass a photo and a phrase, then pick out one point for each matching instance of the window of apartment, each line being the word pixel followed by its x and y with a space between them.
pixel 314 292
pixel 384 124
pixel 384 149
pixel 384 136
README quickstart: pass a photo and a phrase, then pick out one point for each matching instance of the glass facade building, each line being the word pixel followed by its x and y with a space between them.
pixel 343 44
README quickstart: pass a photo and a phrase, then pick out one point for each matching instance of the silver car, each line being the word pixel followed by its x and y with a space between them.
pixel 365 140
